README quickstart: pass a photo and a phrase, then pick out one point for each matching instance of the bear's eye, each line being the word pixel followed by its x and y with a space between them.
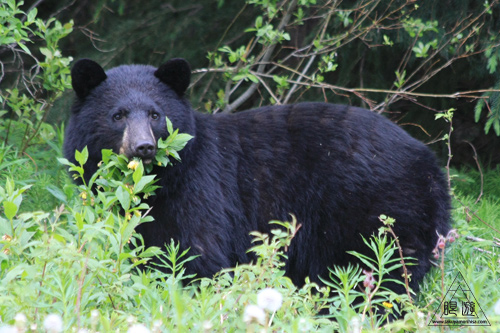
pixel 118 116
pixel 155 115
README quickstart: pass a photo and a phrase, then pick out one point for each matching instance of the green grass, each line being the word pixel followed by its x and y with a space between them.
pixel 73 260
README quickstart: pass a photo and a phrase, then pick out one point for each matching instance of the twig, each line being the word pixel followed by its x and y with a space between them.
pixel 80 288
pixel 265 59
pixel 460 29
pixel 405 270
pixel 476 216
pixel 487 252
pixel 480 171
pixel 450 155
pixel 472 94
pixel 401 256
pixel 276 98
pixel 477 239
pixel 109 295
pixel 309 63
pixel 294 87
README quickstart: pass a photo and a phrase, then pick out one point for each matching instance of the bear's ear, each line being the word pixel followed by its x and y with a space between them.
pixel 86 74
pixel 176 73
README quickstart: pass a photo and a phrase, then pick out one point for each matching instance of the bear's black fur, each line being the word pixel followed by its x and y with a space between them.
pixel 336 168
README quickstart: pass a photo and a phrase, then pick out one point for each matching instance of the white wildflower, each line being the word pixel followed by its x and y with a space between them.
pixel 20 322
pixel 138 328
pixel 130 320
pixel 20 318
pixel 157 325
pixel 53 323
pixel 497 307
pixel 94 318
pixel 8 329
pixel 420 320
pixel 253 313
pixel 354 325
pixel 305 325
pixel 269 299
pixel 207 326
pixel 94 314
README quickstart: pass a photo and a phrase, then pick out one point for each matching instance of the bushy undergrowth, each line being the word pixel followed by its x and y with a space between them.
pixel 83 261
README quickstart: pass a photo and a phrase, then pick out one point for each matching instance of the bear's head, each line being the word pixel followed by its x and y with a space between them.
pixel 124 108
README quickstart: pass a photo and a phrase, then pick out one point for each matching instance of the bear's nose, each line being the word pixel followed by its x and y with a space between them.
pixel 145 150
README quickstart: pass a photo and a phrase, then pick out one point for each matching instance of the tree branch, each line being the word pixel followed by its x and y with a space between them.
pixel 264 61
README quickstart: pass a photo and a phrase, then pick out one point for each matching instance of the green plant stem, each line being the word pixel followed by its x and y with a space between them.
pixel 405 270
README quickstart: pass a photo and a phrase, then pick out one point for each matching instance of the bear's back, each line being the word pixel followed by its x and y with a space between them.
pixel 334 166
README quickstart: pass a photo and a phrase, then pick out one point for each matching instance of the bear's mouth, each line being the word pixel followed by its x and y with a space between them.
pixel 148 161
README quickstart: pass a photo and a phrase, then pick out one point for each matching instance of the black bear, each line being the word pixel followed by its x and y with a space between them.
pixel 336 168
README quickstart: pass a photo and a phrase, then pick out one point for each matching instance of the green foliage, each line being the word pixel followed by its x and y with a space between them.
pixel 266 33
pixel 467 181
pixel 422 50
pixel 27 140
pixel 378 302
pixel 76 262
pixel 415 27
pixel 46 81
pixel 490 102
pixel 493 55
pixel 400 79
pixel 77 258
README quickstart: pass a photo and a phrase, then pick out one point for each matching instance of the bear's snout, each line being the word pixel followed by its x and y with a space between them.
pixel 138 140
pixel 146 150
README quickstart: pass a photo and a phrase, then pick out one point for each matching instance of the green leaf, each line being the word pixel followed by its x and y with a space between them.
pixel 180 141
pixel 130 226
pixel 4 13
pixel 478 109
pixel 175 154
pixel 4 40
pixel 145 180
pixel 170 128
pixel 64 161
pixel 25 48
pixel 10 209
pixel 57 192
pixel 488 124
pixel 138 173
pixel 496 127
pixel 10 186
pixel 492 64
pixel 46 52
pixel 150 252
pixel 79 221
pixel 32 15
pixel 163 160
pixel 241 76
pixel 106 155
pixel 82 157
pixel 253 78
pixel 123 197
